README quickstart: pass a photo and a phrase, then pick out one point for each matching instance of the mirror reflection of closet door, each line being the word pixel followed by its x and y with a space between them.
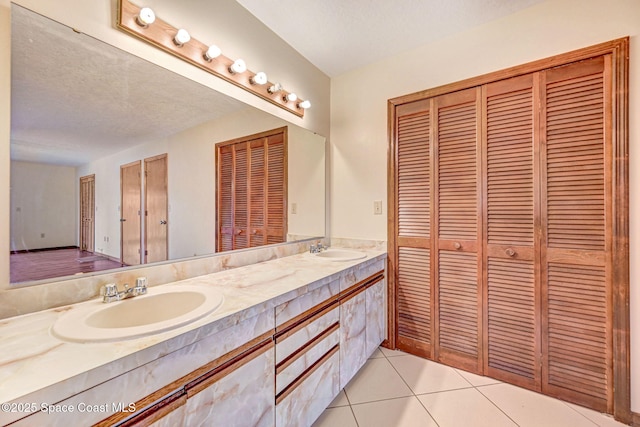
pixel 130 229
pixel 87 213
pixel 156 208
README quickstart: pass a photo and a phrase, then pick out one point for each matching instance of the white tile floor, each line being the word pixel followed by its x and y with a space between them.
pixel 395 389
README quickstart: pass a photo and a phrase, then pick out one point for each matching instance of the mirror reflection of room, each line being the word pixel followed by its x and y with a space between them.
pixel 87 118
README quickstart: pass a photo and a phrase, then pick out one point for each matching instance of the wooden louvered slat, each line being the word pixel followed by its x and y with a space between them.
pixel 578 336
pixel 414 200
pixel 458 302
pixel 575 163
pixel 225 199
pixel 276 202
pixel 457 184
pixel 240 206
pixel 257 194
pixel 414 300
pixel 511 318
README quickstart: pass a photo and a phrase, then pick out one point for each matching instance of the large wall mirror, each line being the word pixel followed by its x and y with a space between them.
pixel 81 110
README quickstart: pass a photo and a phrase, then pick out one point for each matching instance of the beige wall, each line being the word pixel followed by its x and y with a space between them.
pixel 44 206
pixel 359 101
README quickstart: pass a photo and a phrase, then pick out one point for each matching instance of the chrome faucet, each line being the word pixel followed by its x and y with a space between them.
pixel 317 248
pixel 109 292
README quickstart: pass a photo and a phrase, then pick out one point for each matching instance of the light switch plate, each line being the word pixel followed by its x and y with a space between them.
pixel 377 207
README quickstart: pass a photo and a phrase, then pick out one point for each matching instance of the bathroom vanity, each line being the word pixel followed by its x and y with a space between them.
pixel 287 338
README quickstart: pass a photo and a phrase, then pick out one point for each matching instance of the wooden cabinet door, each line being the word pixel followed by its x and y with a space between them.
pixel 576 276
pixel 458 308
pixel 512 344
pixel 156 209
pixel 87 213
pixel 412 231
pixel 130 219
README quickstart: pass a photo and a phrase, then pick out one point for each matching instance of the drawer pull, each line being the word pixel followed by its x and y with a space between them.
pixel 510 252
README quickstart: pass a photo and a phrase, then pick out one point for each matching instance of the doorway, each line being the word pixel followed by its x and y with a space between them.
pixel 156 208
pixel 87 213
pixel 130 227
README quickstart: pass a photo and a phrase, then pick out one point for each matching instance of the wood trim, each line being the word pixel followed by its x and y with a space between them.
pixel 620 227
pixel 180 384
pixel 203 382
pixel 259 135
pixel 157 411
pixel 303 320
pixel 392 226
pixel 159 34
pixel 306 347
pixel 614 46
pixel 361 286
pixel 306 374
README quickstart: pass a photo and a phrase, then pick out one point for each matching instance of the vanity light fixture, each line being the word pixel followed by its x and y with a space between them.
pixel 136 21
pixel 275 88
pixel 182 37
pixel 259 79
pixel 146 17
pixel 212 53
pixel 238 67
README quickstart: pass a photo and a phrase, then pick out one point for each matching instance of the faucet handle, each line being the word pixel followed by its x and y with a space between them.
pixel 141 282
pixel 109 290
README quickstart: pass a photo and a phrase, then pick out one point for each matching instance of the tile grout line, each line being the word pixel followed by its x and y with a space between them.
pixel 495 404
pixel 410 389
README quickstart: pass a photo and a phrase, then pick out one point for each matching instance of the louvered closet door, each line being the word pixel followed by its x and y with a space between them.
pixel 576 282
pixel 240 196
pixel 225 198
pixel 257 191
pixel 512 344
pixel 458 289
pixel 276 207
pixel 413 212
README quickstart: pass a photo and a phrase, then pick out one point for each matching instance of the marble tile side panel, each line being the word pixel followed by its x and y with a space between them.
pixel 307 402
pixel 292 371
pixel 361 272
pixel 28 299
pixel 376 325
pixel 175 418
pixel 146 379
pixel 242 398
pixel 304 335
pixel 291 309
pixel 377 245
pixel 353 340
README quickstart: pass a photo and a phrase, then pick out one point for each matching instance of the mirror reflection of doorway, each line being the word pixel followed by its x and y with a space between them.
pixel 87 213
pixel 156 208
pixel 130 191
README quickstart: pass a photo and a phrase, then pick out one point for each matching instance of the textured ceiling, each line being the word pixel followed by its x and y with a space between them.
pixel 75 99
pixel 341 35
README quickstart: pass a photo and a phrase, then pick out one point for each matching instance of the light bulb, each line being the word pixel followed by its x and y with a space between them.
pixel 259 79
pixel 212 53
pixel 146 17
pixel 238 67
pixel 182 37
pixel 290 97
pixel 304 104
pixel 275 88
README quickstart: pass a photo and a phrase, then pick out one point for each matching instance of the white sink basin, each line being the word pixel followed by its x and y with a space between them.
pixel 340 254
pixel 161 309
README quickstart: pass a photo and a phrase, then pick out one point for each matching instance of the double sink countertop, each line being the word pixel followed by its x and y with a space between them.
pixel 35 366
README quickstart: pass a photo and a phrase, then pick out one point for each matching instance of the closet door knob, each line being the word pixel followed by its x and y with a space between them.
pixel 510 252
pixel 457 245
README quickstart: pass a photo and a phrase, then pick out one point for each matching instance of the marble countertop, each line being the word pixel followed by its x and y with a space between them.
pixel 35 366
